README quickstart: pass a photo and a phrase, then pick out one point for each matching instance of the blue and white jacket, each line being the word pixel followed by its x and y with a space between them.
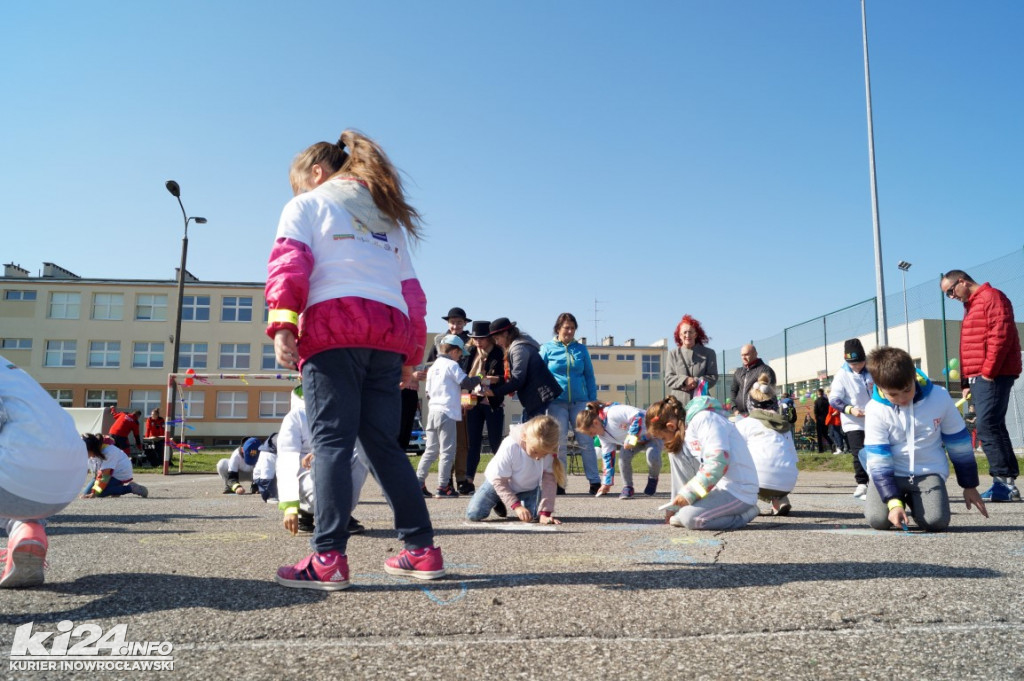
pixel 916 439
pixel 571 366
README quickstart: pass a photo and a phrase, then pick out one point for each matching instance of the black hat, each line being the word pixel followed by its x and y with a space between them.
pixel 853 351
pixel 457 312
pixel 480 330
pixel 501 324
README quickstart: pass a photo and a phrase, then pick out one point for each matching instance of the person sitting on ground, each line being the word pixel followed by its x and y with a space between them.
pixel 111 469
pixel 445 382
pixel 238 467
pixel 769 438
pixel 523 475
pixel 722 495
pixel 911 425
pixel 264 473
pixel 621 426
pixel 297 491
pixel 42 463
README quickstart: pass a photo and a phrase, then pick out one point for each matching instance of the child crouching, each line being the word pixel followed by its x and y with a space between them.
pixel 111 469
pixel 523 475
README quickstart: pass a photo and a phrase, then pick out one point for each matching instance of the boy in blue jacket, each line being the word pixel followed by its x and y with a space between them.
pixel 910 427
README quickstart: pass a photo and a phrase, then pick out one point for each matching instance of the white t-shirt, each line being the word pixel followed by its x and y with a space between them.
pixel 444 380
pixel 42 456
pixel 524 473
pixel 708 432
pixel 853 389
pixel 116 460
pixel 620 417
pixel 774 454
pixel 266 466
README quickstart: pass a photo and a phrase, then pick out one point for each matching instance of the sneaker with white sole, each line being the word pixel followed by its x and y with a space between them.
pixel 24 557
pixel 998 492
pixel 420 563
pixel 626 493
pixel 674 521
pixel 781 505
pixel 861 492
pixel 317 571
pixel 141 490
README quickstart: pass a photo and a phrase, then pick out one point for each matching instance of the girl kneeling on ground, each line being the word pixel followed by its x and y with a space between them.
pixel 722 495
pixel 112 471
pixel 523 475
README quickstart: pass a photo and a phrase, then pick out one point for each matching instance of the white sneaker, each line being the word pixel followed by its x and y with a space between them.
pixel 861 492
pixel 675 521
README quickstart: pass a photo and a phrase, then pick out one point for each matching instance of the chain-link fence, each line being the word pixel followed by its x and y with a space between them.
pixel 806 355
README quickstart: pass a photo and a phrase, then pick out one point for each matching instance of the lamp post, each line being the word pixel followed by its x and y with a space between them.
pixel 172 387
pixel 904 266
pixel 882 324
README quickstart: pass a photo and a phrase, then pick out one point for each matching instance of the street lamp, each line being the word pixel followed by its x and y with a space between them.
pixel 904 266
pixel 172 387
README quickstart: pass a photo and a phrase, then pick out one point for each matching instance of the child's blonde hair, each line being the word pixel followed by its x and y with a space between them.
pixel 660 413
pixel 542 433
pixel 358 156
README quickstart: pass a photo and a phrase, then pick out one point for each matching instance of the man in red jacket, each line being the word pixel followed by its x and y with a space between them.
pixel 990 362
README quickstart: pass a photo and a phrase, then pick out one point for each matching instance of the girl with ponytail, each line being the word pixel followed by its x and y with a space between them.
pixel 621 427
pixel 346 309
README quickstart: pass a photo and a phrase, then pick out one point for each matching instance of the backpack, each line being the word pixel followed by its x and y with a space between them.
pixel 787 409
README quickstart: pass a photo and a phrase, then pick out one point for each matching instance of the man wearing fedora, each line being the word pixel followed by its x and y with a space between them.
pixel 457 321
pixel 485 359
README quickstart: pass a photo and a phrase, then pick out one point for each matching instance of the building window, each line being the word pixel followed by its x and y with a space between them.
pixel 236 309
pixel 96 399
pixel 603 387
pixel 274 405
pixel 104 354
pixel 234 356
pixel 195 308
pixel 145 401
pixel 195 403
pixel 232 404
pixel 19 295
pixel 148 356
pixel 650 369
pixel 269 359
pixel 60 353
pixel 625 358
pixel 62 395
pixel 17 344
pixel 621 388
pixel 65 305
pixel 151 307
pixel 108 306
pixel 193 355
pixel 599 357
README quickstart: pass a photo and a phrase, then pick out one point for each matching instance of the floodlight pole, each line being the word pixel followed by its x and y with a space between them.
pixel 883 329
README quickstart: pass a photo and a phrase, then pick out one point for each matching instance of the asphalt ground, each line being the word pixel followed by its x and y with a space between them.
pixel 613 593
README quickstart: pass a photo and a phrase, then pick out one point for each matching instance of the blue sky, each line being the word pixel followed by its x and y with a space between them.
pixel 659 158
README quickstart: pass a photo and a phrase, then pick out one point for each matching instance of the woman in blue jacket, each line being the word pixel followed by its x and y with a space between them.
pixel 569 362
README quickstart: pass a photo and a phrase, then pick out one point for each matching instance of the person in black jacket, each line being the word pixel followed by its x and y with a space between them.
pixel 487 360
pixel 746 376
pixel 528 373
pixel 820 413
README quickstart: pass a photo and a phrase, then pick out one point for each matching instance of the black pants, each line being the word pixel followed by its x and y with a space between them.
pixel 856 440
pixel 410 402
pixel 822 431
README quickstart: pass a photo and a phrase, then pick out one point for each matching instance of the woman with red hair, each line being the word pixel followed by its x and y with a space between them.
pixel 691 362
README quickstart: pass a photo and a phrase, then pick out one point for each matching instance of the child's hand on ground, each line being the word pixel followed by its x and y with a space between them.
pixel 291 523
pixel 240 489
pixel 524 514
pixel 972 498
pixel 90 495
pixel 898 516
pixel 549 520
pixel 680 501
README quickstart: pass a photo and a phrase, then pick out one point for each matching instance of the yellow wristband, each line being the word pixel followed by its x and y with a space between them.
pixel 285 316
pixel 895 503
pixel 234 487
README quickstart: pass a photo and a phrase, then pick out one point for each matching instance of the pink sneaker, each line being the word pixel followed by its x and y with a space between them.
pixel 317 571
pixel 422 563
pixel 24 556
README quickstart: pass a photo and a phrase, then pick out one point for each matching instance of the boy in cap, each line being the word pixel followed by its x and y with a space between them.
pixel 849 395
pixel 445 381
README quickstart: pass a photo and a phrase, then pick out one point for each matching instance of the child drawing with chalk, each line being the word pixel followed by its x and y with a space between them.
pixel 911 426
pixel 722 493
pixel 523 475
pixel 621 427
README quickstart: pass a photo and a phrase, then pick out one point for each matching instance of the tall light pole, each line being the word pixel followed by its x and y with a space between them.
pixel 883 328
pixel 172 388
pixel 904 266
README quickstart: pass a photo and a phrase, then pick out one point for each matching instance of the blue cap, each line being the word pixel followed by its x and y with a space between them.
pixel 452 339
pixel 251 450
